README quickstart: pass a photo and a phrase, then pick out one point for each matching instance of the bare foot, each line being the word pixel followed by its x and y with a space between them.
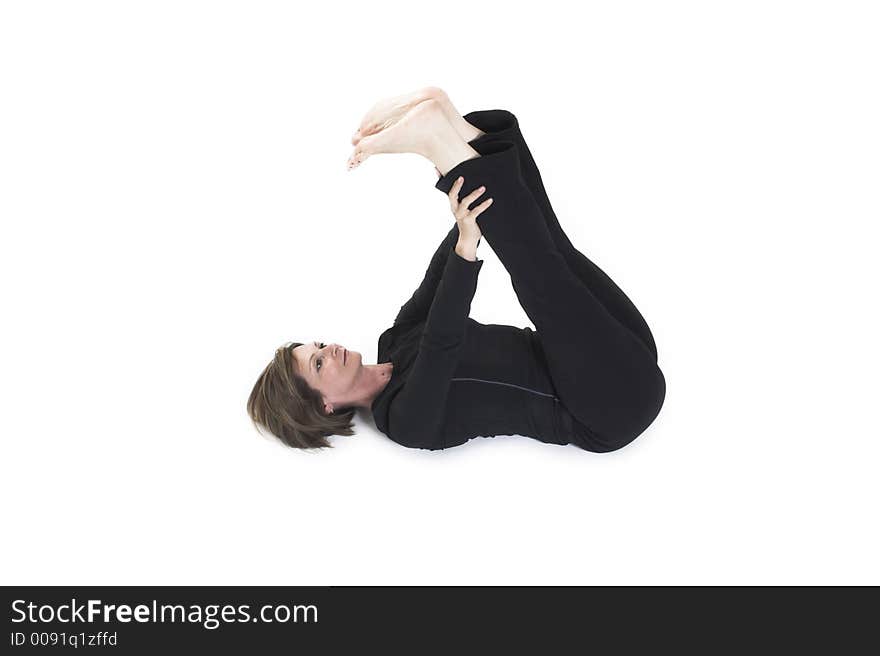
pixel 387 112
pixel 413 133
pixel 390 110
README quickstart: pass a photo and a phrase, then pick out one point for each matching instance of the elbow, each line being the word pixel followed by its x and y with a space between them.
pixel 415 429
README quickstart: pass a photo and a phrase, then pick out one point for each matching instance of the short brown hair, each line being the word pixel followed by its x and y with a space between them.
pixel 284 404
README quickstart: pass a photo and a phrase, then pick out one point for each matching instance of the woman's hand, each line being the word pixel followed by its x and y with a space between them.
pixel 465 216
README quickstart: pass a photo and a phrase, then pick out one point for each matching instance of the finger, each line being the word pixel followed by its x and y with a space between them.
pixel 456 187
pixel 482 207
pixel 453 194
pixel 471 197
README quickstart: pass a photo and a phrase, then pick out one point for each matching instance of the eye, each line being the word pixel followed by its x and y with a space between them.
pixel 318 360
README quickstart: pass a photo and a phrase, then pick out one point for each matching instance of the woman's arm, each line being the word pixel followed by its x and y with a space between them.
pixel 416 412
pixel 464 231
pixel 416 308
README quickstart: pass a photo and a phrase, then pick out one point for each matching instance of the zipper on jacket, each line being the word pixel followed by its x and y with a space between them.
pixel 498 382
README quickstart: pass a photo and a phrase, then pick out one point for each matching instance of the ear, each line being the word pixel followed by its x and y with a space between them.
pixel 328 409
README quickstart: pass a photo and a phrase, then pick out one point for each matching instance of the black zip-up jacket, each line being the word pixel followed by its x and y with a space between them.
pixel 455 378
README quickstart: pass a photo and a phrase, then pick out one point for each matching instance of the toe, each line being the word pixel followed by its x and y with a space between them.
pixel 357 157
pixel 363 147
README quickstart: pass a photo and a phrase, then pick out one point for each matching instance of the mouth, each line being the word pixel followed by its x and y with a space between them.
pixel 344 352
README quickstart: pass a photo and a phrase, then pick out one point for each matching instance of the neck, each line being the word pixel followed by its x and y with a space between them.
pixel 372 379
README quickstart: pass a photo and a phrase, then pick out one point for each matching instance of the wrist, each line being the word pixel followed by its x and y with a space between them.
pixel 467 248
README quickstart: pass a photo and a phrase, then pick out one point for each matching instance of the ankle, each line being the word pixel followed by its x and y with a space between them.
pixel 448 153
pixel 465 130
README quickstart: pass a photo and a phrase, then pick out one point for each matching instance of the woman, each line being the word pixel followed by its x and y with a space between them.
pixel 587 375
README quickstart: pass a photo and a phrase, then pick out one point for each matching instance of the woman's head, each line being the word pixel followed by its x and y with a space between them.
pixel 306 393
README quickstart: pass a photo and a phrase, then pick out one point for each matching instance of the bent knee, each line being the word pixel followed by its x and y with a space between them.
pixel 620 424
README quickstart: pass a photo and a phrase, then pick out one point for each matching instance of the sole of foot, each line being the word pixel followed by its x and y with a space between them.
pixel 410 134
pixel 389 111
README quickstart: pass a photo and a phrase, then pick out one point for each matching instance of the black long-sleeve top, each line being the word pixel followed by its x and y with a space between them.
pixel 455 378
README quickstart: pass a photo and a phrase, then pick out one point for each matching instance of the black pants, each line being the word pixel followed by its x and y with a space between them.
pixel 600 352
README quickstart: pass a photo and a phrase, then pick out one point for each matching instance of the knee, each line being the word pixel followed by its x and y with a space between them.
pixel 621 423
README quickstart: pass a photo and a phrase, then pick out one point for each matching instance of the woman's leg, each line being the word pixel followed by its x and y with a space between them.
pixel 606 376
pixel 502 125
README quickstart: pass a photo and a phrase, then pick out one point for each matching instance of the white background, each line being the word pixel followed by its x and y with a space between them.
pixel 175 205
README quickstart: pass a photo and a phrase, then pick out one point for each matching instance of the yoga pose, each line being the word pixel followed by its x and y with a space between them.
pixel 587 375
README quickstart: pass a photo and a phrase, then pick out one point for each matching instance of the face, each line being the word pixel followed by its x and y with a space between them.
pixel 330 369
